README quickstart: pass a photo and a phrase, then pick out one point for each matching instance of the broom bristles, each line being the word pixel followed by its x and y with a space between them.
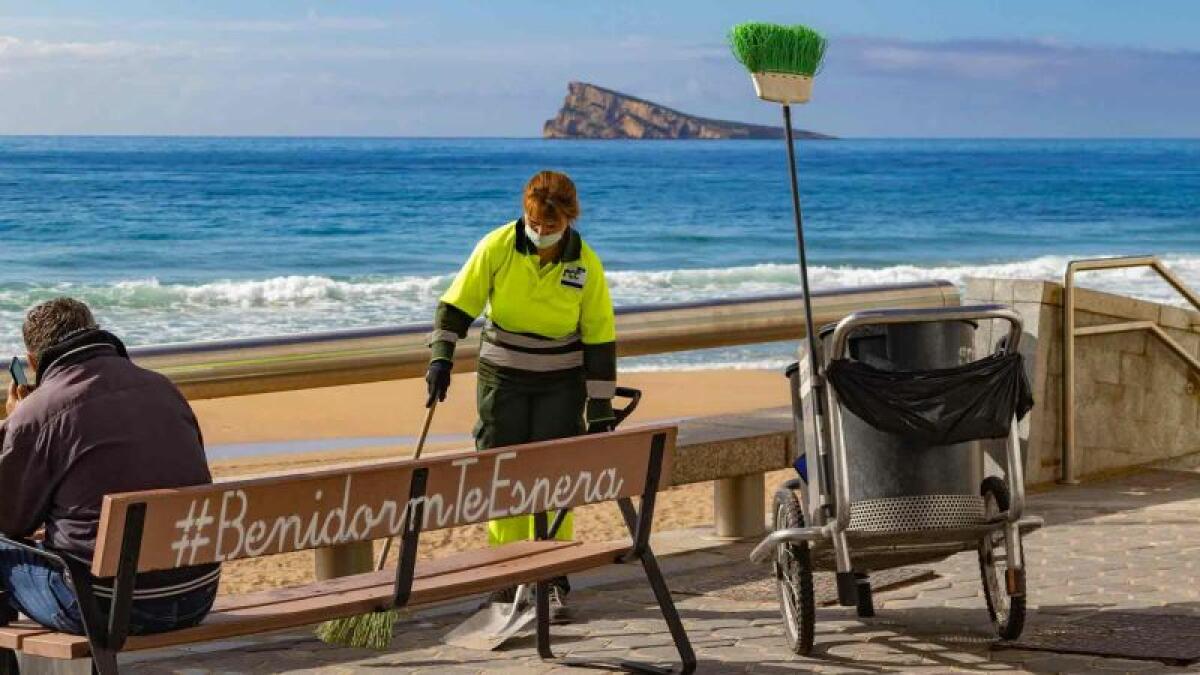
pixel 772 48
pixel 367 631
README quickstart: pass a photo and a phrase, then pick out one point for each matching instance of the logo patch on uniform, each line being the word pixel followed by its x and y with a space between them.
pixel 575 277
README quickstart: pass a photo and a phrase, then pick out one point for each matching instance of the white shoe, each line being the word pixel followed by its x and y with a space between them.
pixel 560 613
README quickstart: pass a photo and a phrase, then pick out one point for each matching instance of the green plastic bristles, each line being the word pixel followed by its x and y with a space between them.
pixel 367 631
pixel 772 48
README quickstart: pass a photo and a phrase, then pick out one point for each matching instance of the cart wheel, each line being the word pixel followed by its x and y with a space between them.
pixel 1007 611
pixel 793 576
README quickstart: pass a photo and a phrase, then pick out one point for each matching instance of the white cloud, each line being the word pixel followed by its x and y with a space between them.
pixel 17 49
pixel 1034 61
pixel 311 22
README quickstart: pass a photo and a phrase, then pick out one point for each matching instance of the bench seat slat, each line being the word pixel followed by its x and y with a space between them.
pixel 444 579
pixel 424 569
pixel 14 634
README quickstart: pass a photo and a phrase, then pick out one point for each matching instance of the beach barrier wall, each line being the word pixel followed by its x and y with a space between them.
pixel 1137 402
pixel 260 365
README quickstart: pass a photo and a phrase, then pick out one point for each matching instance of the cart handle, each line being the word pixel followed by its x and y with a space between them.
pixel 634 396
pixel 877 317
pixel 766 548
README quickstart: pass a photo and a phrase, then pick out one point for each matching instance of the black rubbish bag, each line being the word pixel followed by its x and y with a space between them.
pixel 937 407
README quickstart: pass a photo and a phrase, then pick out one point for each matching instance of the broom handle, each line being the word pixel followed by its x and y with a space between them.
pixel 424 430
pixel 814 364
pixel 387 545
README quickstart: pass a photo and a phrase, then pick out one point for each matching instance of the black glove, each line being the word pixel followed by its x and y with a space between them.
pixel 601 426
pixel 438 379
pixel 600 415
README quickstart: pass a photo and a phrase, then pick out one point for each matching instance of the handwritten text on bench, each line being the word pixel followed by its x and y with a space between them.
pixel 222 523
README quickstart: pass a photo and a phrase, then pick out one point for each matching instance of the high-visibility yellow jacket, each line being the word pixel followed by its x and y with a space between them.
pixel 542 320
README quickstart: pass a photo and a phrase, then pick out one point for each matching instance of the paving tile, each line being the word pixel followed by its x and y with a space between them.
pixel 1125 665
pixel 638 641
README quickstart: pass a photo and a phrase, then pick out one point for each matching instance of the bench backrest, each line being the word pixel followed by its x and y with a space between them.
pixel 291 512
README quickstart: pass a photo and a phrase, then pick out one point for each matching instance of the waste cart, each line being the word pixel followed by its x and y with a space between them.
pixel 891 466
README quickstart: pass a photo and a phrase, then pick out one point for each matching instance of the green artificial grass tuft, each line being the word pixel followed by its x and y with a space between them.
pixel 772 48
pixel 368 631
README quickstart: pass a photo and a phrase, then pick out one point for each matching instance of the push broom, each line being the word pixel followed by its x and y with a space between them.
pixel 372 630
pixel 783 60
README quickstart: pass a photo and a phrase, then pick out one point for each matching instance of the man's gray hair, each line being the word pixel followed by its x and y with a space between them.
pixel 50 322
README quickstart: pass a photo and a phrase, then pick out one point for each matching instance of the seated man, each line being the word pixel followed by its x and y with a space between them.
pixel 96 424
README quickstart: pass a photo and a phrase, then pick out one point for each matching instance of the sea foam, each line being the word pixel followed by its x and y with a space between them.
pixel 149 311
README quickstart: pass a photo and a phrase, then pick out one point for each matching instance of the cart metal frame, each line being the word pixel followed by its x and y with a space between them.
pixel 880 533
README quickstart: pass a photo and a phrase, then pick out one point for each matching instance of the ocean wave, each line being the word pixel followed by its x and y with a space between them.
pixel 626 285
pixel 150 311
pixel 766 278
pixel 285 291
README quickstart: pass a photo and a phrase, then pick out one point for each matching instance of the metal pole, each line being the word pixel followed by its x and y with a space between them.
pixel 808 314
pixel 818 380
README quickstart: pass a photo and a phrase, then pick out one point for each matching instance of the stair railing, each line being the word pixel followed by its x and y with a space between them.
pixel 1070 332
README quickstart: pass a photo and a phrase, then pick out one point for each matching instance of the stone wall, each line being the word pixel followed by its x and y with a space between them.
pixel 1137 401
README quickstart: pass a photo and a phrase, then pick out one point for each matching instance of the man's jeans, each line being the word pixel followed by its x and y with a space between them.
pixel 37 589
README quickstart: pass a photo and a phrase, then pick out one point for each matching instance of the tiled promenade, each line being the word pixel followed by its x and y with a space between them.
pixel 1130 545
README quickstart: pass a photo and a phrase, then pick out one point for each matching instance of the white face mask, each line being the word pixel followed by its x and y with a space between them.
pixel 543 241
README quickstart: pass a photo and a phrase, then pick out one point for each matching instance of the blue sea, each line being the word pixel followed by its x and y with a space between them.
pixel 185 239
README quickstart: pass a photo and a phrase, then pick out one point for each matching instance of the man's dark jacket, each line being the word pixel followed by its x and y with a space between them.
pixel 96 425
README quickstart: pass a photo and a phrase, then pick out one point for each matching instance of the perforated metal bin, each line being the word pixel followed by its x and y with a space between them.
pixel 883 465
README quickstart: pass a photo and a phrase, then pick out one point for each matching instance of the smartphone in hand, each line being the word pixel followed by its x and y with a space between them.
pixel 17 371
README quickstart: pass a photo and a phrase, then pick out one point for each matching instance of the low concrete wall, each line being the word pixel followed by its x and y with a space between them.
pixel 1137 402
pixel 728 446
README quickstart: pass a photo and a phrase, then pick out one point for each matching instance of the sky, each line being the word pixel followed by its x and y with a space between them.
pixel 920 68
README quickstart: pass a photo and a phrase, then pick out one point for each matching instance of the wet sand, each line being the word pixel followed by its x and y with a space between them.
pixel 380 420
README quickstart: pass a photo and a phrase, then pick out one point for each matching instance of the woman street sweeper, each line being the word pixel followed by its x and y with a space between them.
pixel 548 358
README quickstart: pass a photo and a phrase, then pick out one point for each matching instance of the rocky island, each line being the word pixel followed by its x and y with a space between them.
pixel 595 112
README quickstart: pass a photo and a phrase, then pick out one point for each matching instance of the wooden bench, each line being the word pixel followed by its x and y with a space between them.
pixel 166 529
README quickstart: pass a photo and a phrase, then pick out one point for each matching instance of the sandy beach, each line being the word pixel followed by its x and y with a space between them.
pixel 391 414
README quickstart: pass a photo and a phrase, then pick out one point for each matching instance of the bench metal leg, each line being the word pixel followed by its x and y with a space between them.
pixel 657 584
pixel 669 612
pixel 663 595
pixel 8 662
pixel 104 662
pixel 542 604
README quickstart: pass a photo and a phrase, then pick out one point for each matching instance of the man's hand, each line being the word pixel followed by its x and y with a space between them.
pixel 438 379
pixel 16 392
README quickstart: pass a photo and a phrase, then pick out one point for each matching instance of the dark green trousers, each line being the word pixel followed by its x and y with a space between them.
pixel 514 413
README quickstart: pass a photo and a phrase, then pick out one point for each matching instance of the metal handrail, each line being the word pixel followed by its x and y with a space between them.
pixel 1070 332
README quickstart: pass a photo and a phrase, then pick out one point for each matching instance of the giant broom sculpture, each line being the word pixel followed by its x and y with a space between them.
pixel 782 61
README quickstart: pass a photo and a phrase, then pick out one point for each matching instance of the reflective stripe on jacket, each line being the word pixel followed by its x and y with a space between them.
pixel 541 318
